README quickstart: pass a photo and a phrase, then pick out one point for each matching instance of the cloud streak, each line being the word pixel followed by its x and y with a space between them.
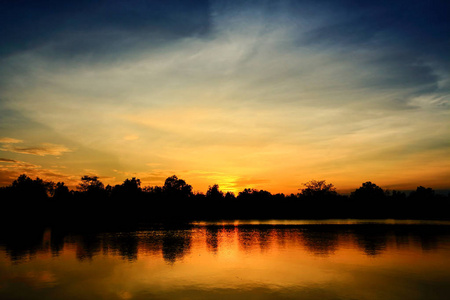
pixel 7 160
pixel 42 150
pixel 6 140
pixel 11 169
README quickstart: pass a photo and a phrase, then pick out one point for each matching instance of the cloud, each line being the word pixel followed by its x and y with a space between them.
pixel 6 140
pixel 11 169
pixel 7 160
pixel 42 150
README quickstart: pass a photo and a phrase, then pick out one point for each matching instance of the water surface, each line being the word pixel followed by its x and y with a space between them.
pixel 337 259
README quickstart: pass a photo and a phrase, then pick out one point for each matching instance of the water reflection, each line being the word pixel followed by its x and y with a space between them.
pixel 124 244
pixel 173 244
pixel 373 240
pixel 87 246
pixel 321 242
pixel 212 238
pixel 24 244
pixel 263 261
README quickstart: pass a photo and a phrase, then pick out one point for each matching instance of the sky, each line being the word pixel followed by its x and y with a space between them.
pixel 244 94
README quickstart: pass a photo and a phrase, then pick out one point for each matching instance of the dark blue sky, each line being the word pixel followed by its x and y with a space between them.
pixel 423 25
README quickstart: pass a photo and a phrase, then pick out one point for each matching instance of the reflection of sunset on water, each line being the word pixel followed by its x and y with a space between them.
pixel 224 258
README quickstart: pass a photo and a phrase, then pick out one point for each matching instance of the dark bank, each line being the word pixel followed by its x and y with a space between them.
pixel 35 201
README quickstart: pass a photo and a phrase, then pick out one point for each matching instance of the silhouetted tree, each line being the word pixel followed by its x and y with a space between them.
pixel 368 191
pixel 214 193
pixel 230 196
pixel 128 202
pixel 130 188
pixel 175 187
pixel 92 200
pixel 26 200
pixel 422 194
pixel 318 189
pixel 398 196
pixel 132 185
pixel 153 189
pixel 61 191
pixel 90 184
pixel 370 201
pixel 28 189
pixel 246 194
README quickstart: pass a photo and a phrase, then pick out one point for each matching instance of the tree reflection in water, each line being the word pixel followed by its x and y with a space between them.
pixel 173 244
pixel 228 260
pixel 212 238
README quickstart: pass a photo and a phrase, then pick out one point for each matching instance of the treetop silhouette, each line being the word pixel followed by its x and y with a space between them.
pixel 175 200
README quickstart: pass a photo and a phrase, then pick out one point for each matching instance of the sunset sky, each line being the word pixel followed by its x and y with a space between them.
pixel 245 94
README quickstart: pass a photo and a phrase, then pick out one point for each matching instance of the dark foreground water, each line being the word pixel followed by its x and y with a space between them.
pixel 234 260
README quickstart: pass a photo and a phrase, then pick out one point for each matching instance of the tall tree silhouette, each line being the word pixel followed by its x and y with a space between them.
pixel 214 193
pixel 368 191
pixel 318 189
pixel 129 188
pixel 61 191
pixel 174 187
pixel 31 190
pixel 90 184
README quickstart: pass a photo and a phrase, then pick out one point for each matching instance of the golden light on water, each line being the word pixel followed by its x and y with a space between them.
pixel 239 260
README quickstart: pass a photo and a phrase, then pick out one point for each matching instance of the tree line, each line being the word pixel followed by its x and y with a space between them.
pixel 37 200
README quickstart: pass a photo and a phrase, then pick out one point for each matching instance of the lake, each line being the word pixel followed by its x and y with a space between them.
pixel 334 259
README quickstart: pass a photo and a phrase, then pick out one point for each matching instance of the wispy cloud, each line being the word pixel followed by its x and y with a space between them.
pixel 7 160
pixel 10 169
pixel 6 140
pixel 42 150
